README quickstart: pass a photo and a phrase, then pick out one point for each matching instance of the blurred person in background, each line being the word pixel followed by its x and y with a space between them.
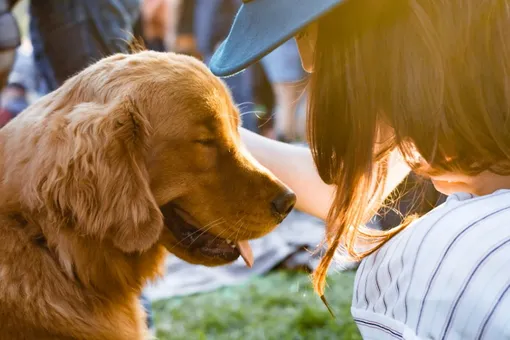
pixel 203 24
pixel 9 41
pixel 156 24
pixel 185 41
pixel 24 84
pixel 69 35
pixel 66 37
pixel 287 77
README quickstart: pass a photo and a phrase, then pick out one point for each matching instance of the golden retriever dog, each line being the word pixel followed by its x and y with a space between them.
pixel 135 156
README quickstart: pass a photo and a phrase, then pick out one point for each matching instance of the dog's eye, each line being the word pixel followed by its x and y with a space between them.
pixel 206 142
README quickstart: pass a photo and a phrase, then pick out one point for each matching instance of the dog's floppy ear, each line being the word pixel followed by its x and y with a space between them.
pixel 97 180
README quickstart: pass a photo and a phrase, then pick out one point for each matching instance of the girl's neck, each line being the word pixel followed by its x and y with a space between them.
pixel 482 184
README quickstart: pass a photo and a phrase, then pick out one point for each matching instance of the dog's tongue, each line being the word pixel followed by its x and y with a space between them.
pixel 246 252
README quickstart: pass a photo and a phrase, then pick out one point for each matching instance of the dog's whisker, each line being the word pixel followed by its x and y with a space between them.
pixel 191 236
pixel 239 221
pixel 224 230
pixel 257 113
pixel 219 220
pixel 217 236
pixel 204 230
pixel 207 226
pixel 266 121
pixel 241 224
pixel 220 234
pixel 245 104
pixel 231 235
pixel 201 231
pixel 233 229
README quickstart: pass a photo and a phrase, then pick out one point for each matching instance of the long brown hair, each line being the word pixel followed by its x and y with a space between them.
pixel 436 71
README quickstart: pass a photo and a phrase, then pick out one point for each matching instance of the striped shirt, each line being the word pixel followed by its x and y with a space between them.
pixel 446 276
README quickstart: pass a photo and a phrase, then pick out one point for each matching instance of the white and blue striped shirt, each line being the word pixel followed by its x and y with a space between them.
pixel 446 276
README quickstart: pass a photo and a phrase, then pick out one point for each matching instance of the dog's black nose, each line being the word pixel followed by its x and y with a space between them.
pixel 282 205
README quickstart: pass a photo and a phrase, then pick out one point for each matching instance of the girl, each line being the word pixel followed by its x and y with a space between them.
pixel 426 81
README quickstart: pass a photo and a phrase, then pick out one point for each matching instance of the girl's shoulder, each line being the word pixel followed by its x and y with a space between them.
pixel 445 272
pixel 461 216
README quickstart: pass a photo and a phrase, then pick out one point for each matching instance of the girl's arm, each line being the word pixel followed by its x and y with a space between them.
pixel 294 166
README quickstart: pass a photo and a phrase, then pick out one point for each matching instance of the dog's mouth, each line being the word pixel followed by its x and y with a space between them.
pixel 192 237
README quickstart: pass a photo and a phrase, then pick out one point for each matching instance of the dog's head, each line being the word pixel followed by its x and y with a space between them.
pixel 144 148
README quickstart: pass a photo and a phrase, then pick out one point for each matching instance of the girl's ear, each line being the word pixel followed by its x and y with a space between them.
pixel 306 41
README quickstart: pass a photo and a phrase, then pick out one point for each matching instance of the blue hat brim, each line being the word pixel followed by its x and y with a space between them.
pixel 260 26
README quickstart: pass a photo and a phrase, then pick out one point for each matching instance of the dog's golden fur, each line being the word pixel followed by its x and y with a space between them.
pixel 84 173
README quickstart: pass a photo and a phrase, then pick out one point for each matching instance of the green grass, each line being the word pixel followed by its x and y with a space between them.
pixel 280 306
